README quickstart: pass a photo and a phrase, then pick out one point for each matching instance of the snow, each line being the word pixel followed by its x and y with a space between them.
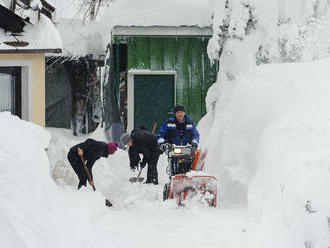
pixel 155 13
pixel 40 206
pixel 42 35
pixel 36 5
pixel 5 3
pixel 80 39
pixel 270 137
pixel 158 13
pixel 266 131
pixel 268 142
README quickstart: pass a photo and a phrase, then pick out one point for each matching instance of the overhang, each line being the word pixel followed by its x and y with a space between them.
pixel 56 50
pixel 161 31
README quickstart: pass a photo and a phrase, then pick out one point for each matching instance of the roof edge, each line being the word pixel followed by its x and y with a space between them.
pixel 161 31
pixel 55 50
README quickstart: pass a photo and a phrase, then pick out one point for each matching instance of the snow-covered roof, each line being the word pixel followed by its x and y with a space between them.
pixel 80 39
pixel 41 36
pixel 36 32
pixel 158 13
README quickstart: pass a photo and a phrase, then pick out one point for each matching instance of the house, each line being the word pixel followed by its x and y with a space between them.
pixel 158 53
pixel 26 35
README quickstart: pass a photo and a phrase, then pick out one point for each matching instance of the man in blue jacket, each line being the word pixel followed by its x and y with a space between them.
pixel 179 129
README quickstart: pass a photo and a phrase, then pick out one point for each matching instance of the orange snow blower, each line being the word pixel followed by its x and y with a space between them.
pixel 187 180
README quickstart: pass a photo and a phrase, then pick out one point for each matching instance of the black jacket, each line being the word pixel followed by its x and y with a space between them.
pixel 145 142
pixel 92 151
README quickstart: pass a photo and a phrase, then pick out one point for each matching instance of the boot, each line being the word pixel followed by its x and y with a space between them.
pixel 82 184
pixel 153 180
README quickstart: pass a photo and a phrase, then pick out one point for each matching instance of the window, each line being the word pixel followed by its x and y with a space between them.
pixel 10 90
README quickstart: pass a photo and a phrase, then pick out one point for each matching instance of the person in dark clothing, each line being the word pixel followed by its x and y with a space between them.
pixel 179 129
pixel 140 140
pixel 91 150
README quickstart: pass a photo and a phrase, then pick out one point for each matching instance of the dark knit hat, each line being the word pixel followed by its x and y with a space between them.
pixel 178 107
pixel 112 147
pixel 124 139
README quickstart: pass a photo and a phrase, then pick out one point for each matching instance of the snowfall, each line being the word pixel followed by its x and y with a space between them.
pixel 268 143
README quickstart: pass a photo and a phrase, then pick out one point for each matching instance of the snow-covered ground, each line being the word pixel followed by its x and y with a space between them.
pixel 268 142
pixel 40 206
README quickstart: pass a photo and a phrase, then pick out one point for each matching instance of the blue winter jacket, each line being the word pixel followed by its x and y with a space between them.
pixel 169 133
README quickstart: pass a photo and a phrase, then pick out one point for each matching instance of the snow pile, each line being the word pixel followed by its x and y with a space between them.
pixel 247 33
pixel 80 39
pixel 159 13
pixel 305 42
pixel 269 135
pixel 111 175
pixel 25 183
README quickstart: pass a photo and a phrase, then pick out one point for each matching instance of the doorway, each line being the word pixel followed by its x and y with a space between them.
pixel 151 98
pixel 10 90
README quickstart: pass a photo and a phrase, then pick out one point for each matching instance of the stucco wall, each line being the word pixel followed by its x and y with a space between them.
pixel 37 60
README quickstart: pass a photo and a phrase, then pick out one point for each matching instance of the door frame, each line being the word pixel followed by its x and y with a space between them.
pixel 26 85
pixel 16 94
pixel 130 91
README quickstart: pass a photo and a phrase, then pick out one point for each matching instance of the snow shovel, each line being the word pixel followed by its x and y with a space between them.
pixel 88 175
pixel 107 202
pixel 138 178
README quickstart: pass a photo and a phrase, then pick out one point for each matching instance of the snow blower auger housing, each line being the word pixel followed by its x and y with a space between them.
pixel 187 180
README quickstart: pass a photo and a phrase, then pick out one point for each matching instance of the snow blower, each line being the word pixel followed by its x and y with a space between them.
pixel 187 180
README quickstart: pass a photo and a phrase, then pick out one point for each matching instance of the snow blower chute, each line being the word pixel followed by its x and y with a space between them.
pixel 187 180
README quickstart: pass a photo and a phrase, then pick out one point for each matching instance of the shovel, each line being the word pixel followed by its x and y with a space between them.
pixel 88 175
pixel 138 178
pixel 107 202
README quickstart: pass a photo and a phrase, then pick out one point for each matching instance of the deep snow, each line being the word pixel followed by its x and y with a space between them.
pixel 40 206
pixel 270 136
pixel 268 141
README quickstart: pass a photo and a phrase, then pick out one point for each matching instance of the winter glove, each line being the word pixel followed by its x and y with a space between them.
pixel 143 164
pixel 162 147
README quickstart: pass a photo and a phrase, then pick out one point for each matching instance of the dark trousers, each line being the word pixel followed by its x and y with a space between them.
pixel 77 166
pixel 152 174
pixel 152 160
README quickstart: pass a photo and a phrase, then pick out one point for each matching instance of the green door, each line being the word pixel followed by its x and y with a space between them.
pixel 153 99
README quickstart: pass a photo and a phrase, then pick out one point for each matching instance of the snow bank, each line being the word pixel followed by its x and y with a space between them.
pixel 25 182
pixel 270 137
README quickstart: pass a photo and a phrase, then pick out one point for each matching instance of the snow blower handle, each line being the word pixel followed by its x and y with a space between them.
pixel 90 181
pixel 154 127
